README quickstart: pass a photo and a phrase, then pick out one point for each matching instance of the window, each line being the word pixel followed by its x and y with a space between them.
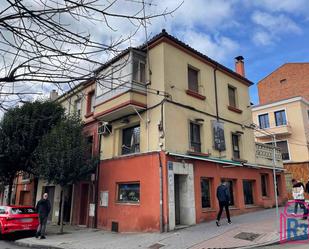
pixel 2 210
pixel 264 183
pixel 128 192
pixel 195 137
pixel 231 189
pixel 130 140
pixel 78 107
pixel 193 79
pixel 263 121
pixel 248 192
pixel 283 145
pixel 23 211
pixel 232 96
pixel 139 74
pixel 280 118
pixel 90 145
pixel 278 181
pixel 90 102
pixel 235 144
pixel 308 113
pixel 205 195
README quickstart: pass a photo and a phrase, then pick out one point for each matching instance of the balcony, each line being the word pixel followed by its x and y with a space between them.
pixel 120 102
pixel 264 155
pixel 275 130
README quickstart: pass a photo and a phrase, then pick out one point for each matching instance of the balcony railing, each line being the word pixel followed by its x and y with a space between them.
pixel 264 155
pixel 273 129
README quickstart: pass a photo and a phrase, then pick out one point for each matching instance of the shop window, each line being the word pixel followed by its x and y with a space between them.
pixel 231 189
pixel 131 140
pixel 205 192
pixel 280 118
pixel 128 192
pixel 248 192
pixel 195 137
pixel 232 96
pixel 264 184
pixel 263 121
pixel 193 79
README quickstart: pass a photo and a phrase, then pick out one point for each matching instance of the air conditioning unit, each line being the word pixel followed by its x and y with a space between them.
pixel 105 129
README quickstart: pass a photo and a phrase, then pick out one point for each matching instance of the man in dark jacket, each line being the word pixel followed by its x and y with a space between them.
pixel 224 198
pixel 43 209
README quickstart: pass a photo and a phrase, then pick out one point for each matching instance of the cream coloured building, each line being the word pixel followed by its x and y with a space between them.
pixel 170 124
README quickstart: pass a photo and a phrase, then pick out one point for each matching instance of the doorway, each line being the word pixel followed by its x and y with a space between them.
pixel 181 195
pixel 83 204
pixel 50 190
pixel 25 198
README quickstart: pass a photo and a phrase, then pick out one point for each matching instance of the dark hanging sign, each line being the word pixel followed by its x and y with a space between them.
pixel 218 133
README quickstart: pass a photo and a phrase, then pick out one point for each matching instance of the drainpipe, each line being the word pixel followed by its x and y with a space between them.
pixel 216 93
pixel 97 186
pixel 161 194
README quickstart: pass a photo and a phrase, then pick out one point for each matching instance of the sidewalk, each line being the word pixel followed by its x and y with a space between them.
pixel 247 230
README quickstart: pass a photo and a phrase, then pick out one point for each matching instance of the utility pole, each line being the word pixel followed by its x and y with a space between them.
pixel 275 178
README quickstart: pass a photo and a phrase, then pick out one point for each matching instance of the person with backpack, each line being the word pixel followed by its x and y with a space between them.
pixel 224 199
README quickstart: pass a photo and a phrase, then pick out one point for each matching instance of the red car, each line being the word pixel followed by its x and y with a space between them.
pixel 18 218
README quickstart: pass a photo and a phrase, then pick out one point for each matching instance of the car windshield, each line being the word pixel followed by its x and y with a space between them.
pixel 23 211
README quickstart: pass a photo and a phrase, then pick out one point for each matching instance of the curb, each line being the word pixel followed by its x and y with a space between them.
pixel 32 245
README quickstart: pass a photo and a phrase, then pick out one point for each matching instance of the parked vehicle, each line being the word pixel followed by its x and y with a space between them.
pixel 18 218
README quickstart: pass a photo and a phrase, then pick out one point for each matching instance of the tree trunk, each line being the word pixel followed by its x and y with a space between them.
pixel 11 181
pixel 35 190
pixel 62 210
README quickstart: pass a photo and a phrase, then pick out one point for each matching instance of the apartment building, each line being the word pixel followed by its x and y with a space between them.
pixel 283 115
pixel 169 124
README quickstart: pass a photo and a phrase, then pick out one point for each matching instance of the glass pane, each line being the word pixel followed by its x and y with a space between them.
pixel 205 188
pixel 232 97
pixel 264 121
pixel 264 185
pixel 248 192
pixel 135 70
pixel 283 145
pixel 195 137
pixel 130 140
pixel 280 118
pixel 92 100
pixel 129 192
pixel 142 72
pixel 193 79
pixel 23 211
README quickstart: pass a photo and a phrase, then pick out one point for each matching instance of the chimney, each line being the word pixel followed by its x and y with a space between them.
pixel 239 65
pixel 53 95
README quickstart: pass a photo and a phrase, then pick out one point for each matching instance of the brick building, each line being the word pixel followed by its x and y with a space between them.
pixel 289 80
pixel 284 112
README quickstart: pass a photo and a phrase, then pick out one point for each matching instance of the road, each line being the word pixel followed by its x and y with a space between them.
pixel 7 242
pixel 288 246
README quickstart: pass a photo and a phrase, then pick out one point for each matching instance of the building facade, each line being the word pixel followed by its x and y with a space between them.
pixel 281 83
pixel 170 124
pixel 283 115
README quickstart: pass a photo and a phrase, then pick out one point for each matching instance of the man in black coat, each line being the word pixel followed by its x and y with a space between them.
pixel 43 209
pixel 224 199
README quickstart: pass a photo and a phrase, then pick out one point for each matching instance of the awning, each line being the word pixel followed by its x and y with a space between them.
pixel 208 159
pixel 223 161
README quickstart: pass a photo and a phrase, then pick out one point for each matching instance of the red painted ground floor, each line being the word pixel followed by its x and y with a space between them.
pixel 158 192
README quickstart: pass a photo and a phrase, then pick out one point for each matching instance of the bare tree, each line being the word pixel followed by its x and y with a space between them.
pixel 46 43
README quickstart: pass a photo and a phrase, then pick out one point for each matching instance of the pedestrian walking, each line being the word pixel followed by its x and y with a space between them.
pixel 298 195
pixel 43 209
pixel 224 199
